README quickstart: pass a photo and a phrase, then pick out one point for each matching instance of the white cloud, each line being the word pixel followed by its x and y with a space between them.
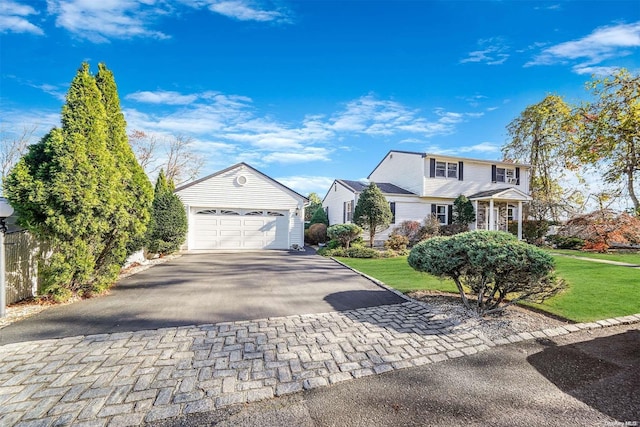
pixel 492 51
pixel 14 18
pixel 305 184
pixel 482 150
pixel 602 44
pixel 244 11
pixel 99 21
pixel 162 97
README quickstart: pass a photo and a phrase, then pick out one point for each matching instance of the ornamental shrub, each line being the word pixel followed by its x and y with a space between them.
pixel 396 242
pixel 412 230
pixel 168 226
pixel 493 266
pixel 317 233
pixel 562 242
pixel 533 231
pixel 344 233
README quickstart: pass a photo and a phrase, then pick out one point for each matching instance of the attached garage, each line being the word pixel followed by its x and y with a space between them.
pixel 240 208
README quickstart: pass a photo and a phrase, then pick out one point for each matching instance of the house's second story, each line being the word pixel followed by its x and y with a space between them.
pixel 433 175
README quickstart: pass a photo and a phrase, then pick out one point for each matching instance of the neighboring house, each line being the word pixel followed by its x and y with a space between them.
pixel 241 208
pixel 421 184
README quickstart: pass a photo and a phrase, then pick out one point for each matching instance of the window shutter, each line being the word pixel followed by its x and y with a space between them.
pixel 433 209
pixel 344 212
pixel 326 210
pixel 493 173
pixel 517 176
pixel 432 168
pixel 460 165
pixel 392 206
pixel 449 214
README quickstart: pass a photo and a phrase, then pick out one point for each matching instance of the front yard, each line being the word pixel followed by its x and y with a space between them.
pixel 595 290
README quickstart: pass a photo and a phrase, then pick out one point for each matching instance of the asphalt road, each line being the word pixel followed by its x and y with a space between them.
pixel 582 379
pixel 209 288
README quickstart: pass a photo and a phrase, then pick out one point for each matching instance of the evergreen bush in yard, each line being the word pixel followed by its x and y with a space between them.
pixel 344 233
pixel 319 217
pixel 72 190
pixel 372 212
pixel 168 225
pixel 494 266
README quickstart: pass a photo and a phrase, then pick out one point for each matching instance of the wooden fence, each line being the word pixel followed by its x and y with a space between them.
pixel 22 253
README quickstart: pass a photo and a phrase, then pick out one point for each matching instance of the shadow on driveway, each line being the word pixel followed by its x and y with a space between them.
pixel 200 289
pixel 604 372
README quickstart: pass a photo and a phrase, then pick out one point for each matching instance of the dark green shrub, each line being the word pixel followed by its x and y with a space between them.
pixel 396 242
pixel 463 211
pixel 362 252
pixel 344 233
pixel 492 265
pixel 168 226
pixel 319 217
pixel 563 242
pixel 533 231
pixel 317 233
pixel 332 244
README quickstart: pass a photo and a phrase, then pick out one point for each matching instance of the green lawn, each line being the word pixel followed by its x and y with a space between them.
pixel 596 291
pixel 629 258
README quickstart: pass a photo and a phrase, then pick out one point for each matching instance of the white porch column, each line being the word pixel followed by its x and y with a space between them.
pixel 475 208
pixel 492 218
pixel 520 220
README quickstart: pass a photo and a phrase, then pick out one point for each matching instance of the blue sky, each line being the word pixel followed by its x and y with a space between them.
pixel 309 91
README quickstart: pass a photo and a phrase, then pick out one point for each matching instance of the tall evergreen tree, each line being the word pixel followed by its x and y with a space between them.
pixel 168 225
pixel 463 211
pixel 65 191
pixel 130 221
pixel 372 212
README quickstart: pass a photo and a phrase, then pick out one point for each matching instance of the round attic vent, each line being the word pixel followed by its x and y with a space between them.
pixel 241 180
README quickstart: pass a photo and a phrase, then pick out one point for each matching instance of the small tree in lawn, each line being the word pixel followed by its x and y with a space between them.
pixel 372 211
pixel 463 211
pixel 168 226
pixel 493 265
pixel 315 202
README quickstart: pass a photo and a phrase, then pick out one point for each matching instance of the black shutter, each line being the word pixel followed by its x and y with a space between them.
pixel 450 214
pixel 432 168
pixel 460 165
pixel 433 209
pixel 344 212
pixel 392 206
pixel 517 176
pixel 326 210
pixel 493 173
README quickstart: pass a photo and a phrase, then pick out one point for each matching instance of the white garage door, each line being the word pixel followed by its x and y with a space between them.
pixel 239 229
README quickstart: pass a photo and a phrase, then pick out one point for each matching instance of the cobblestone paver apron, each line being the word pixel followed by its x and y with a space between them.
pixel 129 378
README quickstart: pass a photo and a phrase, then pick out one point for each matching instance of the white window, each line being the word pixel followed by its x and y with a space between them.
pixel 447 170
pixel 511 213
pixel 452 170
pixel 506 175
pixel 441 214
pixel 349 210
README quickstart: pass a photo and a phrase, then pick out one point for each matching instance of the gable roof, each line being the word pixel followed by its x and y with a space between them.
pixel 237 165
pixel 385 187
pixel 490 194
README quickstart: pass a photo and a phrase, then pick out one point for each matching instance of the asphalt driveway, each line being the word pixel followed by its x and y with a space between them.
pixel 209 288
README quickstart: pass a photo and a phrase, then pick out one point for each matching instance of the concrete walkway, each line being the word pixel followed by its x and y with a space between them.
pixel 603 261
pixel 128 378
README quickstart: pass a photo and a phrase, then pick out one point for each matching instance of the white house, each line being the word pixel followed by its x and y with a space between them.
pixel 241 208
pixel 421 184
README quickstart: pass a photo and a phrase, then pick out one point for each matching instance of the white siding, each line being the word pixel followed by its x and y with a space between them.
pixel 334 200
pixel 408 208
pixel 476 178
pixel 405 170
pixel 229 190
